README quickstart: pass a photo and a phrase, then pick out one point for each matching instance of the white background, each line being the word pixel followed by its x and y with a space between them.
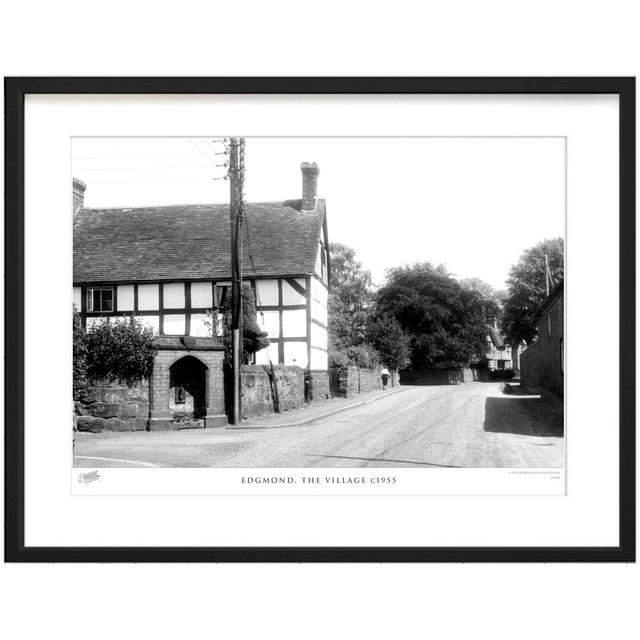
pixel 587 516
pixel 460 38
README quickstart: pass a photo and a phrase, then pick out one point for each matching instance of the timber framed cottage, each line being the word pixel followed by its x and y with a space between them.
pixel 170 266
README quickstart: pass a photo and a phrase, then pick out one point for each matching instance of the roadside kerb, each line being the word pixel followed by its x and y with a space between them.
pixel 322 416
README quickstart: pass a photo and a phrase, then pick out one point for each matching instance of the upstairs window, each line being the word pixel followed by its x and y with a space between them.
pixel 100 299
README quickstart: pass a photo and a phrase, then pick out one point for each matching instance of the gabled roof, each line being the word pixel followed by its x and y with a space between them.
pixel 550 300
pixel 193 241
pixel 496 338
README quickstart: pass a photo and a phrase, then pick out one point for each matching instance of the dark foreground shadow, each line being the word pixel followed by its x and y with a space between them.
pixel 523 416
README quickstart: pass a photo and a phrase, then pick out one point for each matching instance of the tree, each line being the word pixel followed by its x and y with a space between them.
pixel 443 320
pixel 348 305
pixel 253 338
pixel 121 351
pixel 493 298
pixel 526 288
pixel 349 281
pixel 388 338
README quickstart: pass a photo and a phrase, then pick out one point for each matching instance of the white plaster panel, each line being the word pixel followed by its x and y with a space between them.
pixel 295 353
pixel 269 321
pixel 94 322
pixel 319 312
pixel 153 322
pixel 294 323
pixel 77 297
pixel 267 292
pixel 318 336
pixel 200 325
pixel 201 295
pixel 148 297
pixel 321 293
pixel 173 295
pixel 318 359
pixel 125 297
pixel 270 353
pixel 290 296
pixel 174 324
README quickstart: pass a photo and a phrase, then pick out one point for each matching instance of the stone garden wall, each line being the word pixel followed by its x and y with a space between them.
pixel 317 383
pixel 258 391
pixel 349 381
pixel 112 407
pixel 445 376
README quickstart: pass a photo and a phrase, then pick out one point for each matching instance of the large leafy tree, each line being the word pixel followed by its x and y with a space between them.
pixel 444 320
pixel 492 297
pixel 388 338
pixel 526 288
pixel 349 302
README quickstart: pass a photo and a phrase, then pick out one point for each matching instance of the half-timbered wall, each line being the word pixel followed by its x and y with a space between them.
pixel 293 312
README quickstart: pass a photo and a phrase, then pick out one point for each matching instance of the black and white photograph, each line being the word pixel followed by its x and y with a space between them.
pixel 318 302
pixel 362 315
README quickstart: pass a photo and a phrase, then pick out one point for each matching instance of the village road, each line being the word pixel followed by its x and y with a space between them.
pixel 467 425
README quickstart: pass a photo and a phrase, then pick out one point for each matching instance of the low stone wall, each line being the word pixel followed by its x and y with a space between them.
pixel 317 385
pixel 445 376
pixel 349 381
pixel 258 392
pixel 112 407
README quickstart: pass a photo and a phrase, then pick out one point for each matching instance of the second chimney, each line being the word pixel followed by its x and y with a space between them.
pixel 78 194
pixel 310 173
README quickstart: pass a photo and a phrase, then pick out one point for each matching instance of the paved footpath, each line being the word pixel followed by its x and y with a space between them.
pixel 467 425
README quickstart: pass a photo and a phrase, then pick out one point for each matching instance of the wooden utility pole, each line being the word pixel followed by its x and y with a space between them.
pixel 547 274
pixel 236 181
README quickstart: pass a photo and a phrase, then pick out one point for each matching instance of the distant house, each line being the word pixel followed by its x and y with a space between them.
pixel 498 352
pixel 542 363
pixel 170 266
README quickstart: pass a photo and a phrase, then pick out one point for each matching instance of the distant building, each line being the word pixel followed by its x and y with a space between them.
pixel 542 363
pixel 498 352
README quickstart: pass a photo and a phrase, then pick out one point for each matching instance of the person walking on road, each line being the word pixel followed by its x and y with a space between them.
pixel 385 377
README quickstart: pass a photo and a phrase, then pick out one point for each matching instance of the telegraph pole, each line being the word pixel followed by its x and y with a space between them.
pixel 547 274
pixel 236 180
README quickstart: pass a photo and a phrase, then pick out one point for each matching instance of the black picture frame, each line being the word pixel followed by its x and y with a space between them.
pixel 15 91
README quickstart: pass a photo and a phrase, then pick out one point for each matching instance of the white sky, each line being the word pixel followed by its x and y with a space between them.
pixel 474 204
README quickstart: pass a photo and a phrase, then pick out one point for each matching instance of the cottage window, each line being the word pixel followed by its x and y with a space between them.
pixel 100 299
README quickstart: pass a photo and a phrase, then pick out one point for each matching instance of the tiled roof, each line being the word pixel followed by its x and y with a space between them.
pixel 550 300
pixel 193 241
pixel 495 337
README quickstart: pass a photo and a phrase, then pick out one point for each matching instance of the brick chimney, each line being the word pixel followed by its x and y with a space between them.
pixel 78 194
pixel 310 173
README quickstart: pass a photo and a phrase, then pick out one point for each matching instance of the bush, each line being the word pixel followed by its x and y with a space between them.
pixel 361 355
pixel 79 354
pixel 121 351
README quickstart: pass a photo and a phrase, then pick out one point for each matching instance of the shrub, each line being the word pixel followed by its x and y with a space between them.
pixel 361 355
pixel 121 351
pixel 79 353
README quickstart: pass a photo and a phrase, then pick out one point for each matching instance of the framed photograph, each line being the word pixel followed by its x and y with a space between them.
pixel 320 319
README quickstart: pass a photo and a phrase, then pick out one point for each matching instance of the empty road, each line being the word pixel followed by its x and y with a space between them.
pixel 467 425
